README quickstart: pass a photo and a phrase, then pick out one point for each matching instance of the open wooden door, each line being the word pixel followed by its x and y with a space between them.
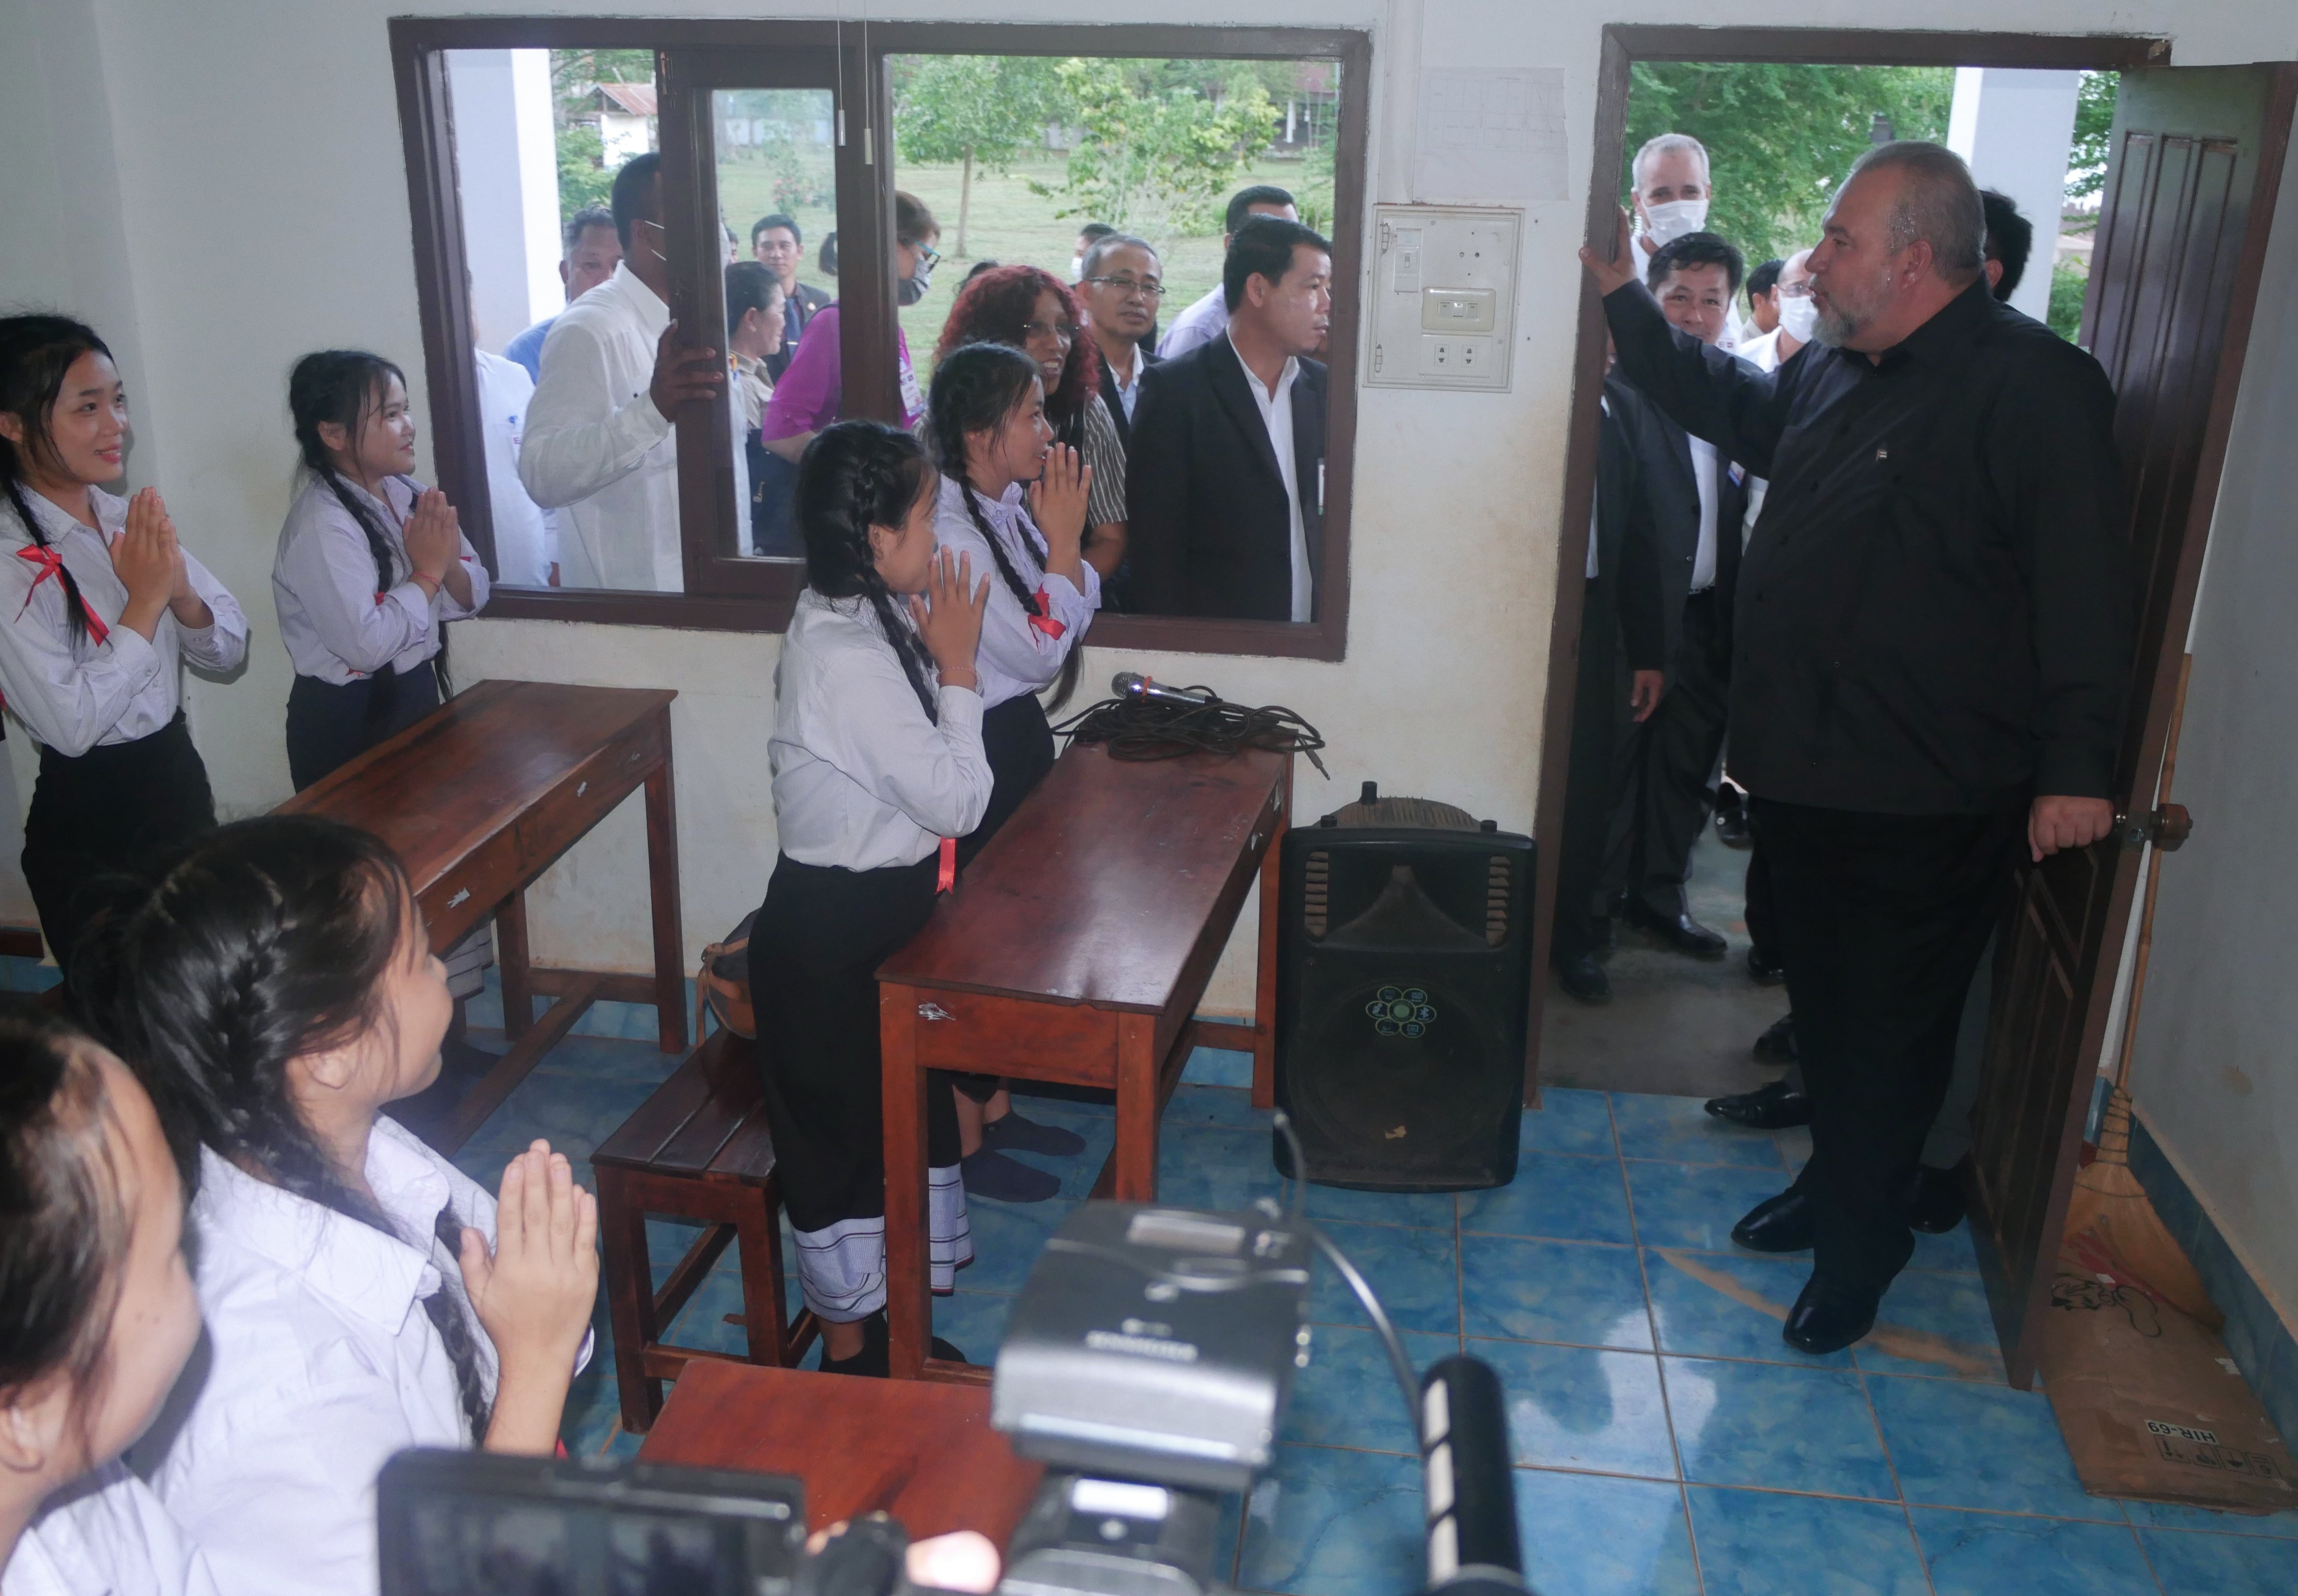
pixel 2195 161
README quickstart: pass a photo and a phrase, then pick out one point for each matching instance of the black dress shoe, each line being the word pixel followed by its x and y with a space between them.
pixel 1777 1045
pixel 1935 1203
pixel 1827 1318
pixel 1781 1224
pixel 1584 978
pixel 875 1361
pixel 1681 933
pixel 1765 971
pixel 1732 827
pixel 1778 1106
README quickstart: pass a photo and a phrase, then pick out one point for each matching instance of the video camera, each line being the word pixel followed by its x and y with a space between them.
pixel 1147 1363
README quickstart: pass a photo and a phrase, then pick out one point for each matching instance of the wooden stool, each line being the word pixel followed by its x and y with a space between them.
pixel 698 1148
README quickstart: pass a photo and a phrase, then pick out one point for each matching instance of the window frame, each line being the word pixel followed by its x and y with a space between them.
pixel 726 592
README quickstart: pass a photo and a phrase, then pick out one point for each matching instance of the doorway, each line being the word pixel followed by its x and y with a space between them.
pixel 2194 155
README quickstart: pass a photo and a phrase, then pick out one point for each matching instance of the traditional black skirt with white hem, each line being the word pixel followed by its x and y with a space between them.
pixel 118 807
pixel 1019 743
pixel 815 951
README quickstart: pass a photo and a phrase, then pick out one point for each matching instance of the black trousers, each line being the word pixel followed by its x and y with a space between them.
pixel 1019 743
pixel 1763 918
pixel 815 951
pixel 1883 919
pixel 329 725
pixel 1678 747
pixel 117 808
pixel 1602 724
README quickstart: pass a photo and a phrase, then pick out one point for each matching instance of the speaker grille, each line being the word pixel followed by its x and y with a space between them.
pixel 1496 900
pixel 1315 894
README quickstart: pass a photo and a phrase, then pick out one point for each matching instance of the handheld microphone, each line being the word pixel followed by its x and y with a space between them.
pixel 1471 1486
pixel 1133 684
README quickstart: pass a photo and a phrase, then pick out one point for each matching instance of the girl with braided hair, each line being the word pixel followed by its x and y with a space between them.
pixel 97 1318
pixel 371 565
pixel 1016 501
pixel 273 992
pixel 99 604
pixel 878 766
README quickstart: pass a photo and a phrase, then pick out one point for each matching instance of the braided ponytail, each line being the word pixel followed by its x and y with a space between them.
pixel 266 941
pixel 36 353
pixel 854 475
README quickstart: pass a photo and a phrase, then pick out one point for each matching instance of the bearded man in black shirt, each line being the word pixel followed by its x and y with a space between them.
pixel 1932 640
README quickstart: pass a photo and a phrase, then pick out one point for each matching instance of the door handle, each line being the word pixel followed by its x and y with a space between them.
pixel 2166 827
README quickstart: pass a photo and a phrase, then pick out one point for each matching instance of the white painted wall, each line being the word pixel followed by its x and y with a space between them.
pixel 507 172
pixel 2016 129
pixel 2215 1074
pixel 281 114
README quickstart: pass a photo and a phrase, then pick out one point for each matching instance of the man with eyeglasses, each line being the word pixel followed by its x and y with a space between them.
pixel 1121 289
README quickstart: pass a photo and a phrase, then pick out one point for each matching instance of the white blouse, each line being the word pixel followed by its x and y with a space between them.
pixel 336 626
pixel 1016 657
pixel 862 779
pixel 105 1536
pixel 73 695
pixel 321 1364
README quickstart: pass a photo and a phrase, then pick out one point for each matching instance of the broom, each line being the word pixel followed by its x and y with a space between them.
pixel 2110 1223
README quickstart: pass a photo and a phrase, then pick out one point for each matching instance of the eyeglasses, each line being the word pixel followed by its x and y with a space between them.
pixel 1066 331
pixel 929 257
pixel 1795 290
pixel 1127 286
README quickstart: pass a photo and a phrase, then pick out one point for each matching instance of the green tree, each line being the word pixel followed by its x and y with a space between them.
pixel 2094 126
pixel 583 178
pixel 1156 159
pixel 1780 138
pixel 973 110
pixel 2068 283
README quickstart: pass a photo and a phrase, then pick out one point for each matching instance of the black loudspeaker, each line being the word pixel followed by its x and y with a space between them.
pixel 1404 964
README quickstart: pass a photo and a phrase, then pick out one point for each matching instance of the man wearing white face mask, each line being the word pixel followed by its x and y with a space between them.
pixel 1670 199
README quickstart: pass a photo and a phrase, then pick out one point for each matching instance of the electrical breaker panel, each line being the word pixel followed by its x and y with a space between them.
pixel 1444 297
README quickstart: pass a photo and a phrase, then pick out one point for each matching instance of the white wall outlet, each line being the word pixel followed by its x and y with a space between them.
pixel 1444 284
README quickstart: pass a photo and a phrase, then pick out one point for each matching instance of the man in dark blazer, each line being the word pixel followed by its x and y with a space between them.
pixel 1699 498
pixel 1624 649
pixel 777 241
pixel 1226 479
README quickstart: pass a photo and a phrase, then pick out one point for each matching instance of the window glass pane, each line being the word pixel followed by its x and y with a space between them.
pixel 777 199
pixel 1016 156
pixel 580 496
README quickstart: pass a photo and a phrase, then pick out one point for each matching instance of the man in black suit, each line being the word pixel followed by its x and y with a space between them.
pixel 776 240
pixel 1226 475
pixel 1122 287
pixel 1624 643
pixel 1699 498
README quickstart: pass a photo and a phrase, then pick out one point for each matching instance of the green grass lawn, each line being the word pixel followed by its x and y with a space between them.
pixel 1007 223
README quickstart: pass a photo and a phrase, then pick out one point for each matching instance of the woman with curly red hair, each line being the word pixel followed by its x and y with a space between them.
pixel 1032 311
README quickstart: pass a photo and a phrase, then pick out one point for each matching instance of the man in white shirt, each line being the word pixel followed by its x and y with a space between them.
pixel 598 442
pixel 1203 322
pixel 1669 199
pixel 1697 498
pixel 1122 287
pixel 1226 483
pixel 524 553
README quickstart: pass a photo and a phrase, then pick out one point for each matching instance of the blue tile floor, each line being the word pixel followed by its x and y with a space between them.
pixel 1667 1442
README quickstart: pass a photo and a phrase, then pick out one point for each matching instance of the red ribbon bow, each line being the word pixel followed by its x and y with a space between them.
pixel 51 561
pixel 945 876
pixel 1044 619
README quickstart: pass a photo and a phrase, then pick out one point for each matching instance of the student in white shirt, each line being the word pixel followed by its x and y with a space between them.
pixel 371 566
pixel 97 1316
pixel 99 603
pixel 878 766
pixel 987 418
pixel 273 992
pixel 598 446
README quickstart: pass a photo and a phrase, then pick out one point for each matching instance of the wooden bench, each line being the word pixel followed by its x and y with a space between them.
pixel 698 1148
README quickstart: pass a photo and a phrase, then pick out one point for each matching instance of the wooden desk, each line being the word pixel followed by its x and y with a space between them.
pixel 480 797
pixel 1075 949
pixel 924 1453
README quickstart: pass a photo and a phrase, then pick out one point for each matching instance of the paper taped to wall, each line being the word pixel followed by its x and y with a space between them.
pixel 1491 137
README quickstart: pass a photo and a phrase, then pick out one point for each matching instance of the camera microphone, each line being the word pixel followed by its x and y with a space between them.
pixel 1134 685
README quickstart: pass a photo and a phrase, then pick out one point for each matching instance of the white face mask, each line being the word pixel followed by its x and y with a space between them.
pixel 1798 316
pixel 1666 223
pixel 1077 268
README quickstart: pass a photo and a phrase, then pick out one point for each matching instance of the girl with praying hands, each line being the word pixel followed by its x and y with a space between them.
pixel 99 606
